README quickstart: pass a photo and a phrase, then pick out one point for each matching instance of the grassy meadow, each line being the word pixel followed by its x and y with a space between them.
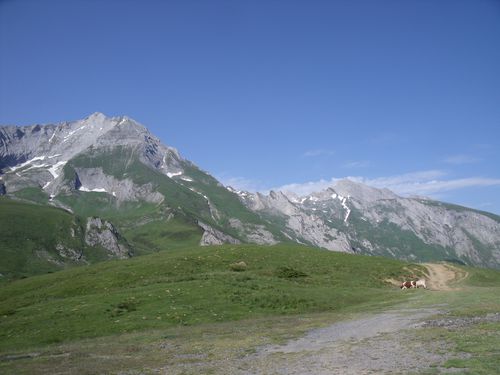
pixel 177 309
pixel 188 287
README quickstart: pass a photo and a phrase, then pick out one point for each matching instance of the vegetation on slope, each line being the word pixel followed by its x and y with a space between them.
pixel 188 287
pixel 33 239
pixel 186 196
pixel 470 324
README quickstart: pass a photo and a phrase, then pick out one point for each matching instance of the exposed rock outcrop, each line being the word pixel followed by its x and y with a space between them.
pixel 212 236
pixel 102 233
pixel 69 253
pixel 94 179
pixel 253 233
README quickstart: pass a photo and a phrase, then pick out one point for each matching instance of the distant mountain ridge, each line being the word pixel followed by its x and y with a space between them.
pixel 112 170
pixel 354 217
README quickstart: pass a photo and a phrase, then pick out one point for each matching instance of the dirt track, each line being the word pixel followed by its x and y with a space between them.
pixel 441 276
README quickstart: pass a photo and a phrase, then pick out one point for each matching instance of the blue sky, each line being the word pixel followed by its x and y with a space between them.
pixel 266 94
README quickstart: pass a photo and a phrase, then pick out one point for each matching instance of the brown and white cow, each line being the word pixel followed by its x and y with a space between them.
pixel 408 285
pixel 413 284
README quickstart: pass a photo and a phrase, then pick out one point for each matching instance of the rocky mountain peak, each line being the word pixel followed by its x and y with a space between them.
pixel 361 192
pixel 97 116
pixel 36 155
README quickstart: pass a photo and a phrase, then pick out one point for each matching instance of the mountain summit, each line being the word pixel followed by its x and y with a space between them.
pixel 117 178
pixel 129 194
pixel 36 155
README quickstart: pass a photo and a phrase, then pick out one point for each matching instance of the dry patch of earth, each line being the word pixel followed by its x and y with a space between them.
pixel 441 276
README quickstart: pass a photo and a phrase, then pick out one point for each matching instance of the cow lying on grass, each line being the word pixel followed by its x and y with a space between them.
pixel 413 284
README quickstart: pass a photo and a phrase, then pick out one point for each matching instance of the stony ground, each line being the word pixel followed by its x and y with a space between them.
pixel 383 343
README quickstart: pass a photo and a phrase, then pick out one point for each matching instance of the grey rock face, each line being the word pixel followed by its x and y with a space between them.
pixel 361 192
pixel 302 222
pixel 36 155
pixel 104 234
pixel 94 179
pixel 69 253
pixel 253 233
pixel 325 219
pixel 212 236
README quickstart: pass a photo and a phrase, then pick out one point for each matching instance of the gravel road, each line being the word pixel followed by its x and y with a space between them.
pixel 377 344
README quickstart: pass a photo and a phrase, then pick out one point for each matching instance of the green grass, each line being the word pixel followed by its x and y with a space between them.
pixel 32 194
pixel 158 235
pixel 172 309
pixel 189 287
pixel 103 205
pixel 29 234
pixel 229 203
pixel 123 162
pixel 36 239
pixel 480 342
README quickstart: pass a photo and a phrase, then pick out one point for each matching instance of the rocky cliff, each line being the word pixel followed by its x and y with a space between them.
pixel 353 217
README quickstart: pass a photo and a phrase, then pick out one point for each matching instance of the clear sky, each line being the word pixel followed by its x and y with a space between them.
pixel 263 94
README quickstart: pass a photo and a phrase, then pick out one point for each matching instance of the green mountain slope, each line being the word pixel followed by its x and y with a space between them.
pixel 197 197
pixel 146 225
pixel 38 239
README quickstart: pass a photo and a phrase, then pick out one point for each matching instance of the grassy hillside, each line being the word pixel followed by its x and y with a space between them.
pixel 189 287
pixel 191 312
pixel 30 236
pixel 160 234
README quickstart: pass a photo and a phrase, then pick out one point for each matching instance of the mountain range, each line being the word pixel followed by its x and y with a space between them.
pixel 105 187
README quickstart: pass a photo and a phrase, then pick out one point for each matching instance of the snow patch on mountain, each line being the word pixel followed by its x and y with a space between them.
pixel 170 174
pixel 55 169
pixel 97 190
